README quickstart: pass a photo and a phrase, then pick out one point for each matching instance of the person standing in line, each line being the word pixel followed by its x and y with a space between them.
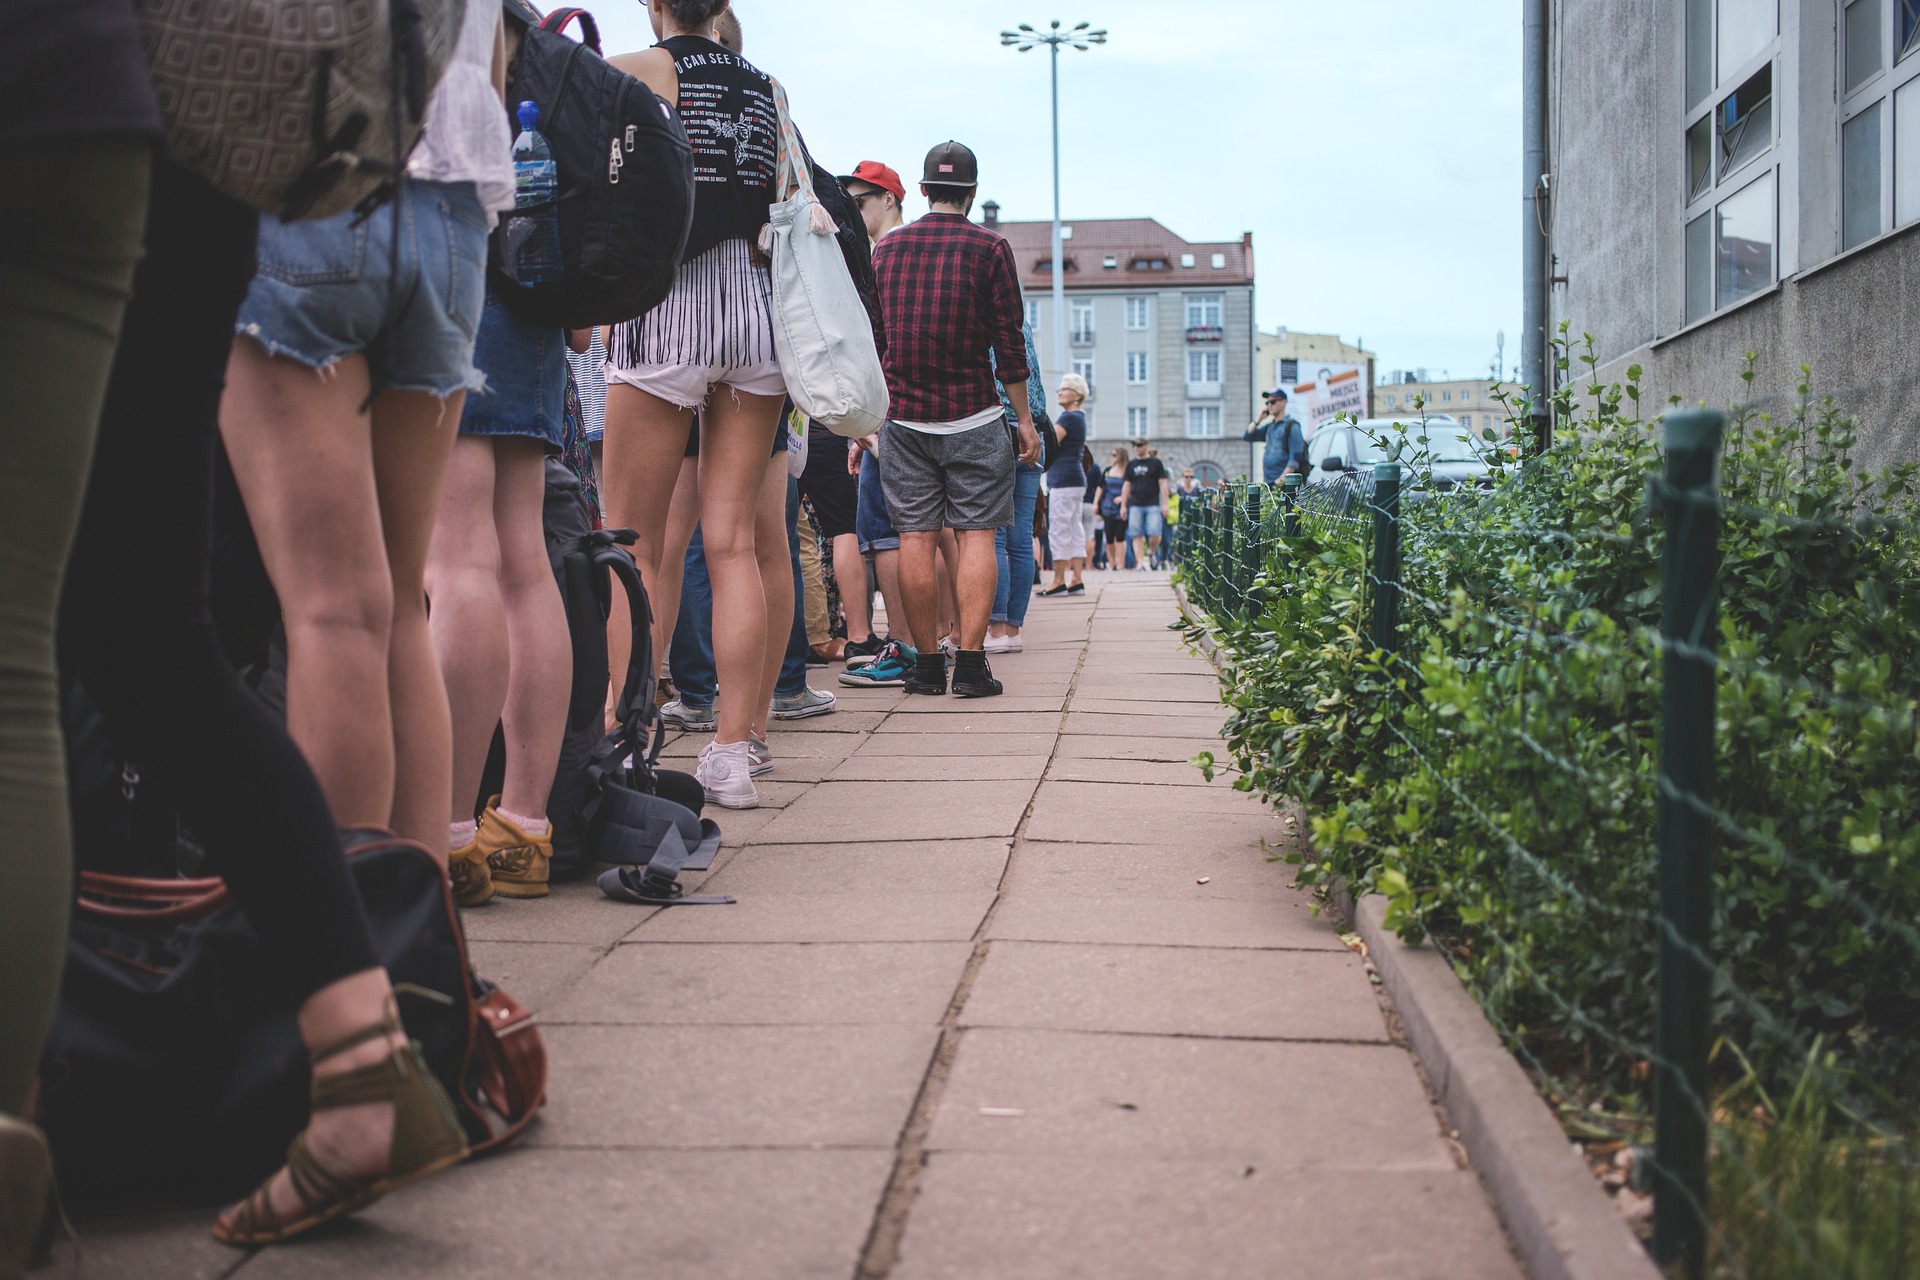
pixel 1013 547
pixel 81 129
pixel 834 492
pixel 1067 482
pixel 1090 508
pixel 951 292
pixel 1143 504
pixel 1284 437
pixel 1183 503
pixel 1113 514
pixel 712 334
pixel 878 192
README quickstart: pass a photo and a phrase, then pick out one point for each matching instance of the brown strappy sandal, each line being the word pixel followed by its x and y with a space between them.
pixel 427 1138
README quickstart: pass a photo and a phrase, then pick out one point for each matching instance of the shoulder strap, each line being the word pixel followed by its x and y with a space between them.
pixel 794 173
pixel 557 21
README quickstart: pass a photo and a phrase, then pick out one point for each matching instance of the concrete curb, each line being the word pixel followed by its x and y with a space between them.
pixel 1560 1220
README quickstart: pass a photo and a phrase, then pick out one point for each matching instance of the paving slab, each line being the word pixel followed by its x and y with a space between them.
pixel 1015 1217
pixel 1090 700
pixel 1161 872
pixel 1205 725
pixel 534 973
pixel 859 811
pixel 1109 814
pixel 882 916
pixel 1169 748
pixel 883 766
pixel 770 984
pixel 1011 702
pixel 944 866
pixel 609 1215
pixel 1152 773
pixel 710 1087
pixel 1265 1103
pixel 974 717
pixel 175 1243
pixel 1195 991
pixel 951 743
pixel 575 912
pixel 1172 921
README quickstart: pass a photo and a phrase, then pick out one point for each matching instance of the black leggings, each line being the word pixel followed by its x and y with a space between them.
pixel 134 622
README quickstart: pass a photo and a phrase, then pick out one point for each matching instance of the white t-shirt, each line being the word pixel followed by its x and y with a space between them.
pixel 980 419
pixel 467 137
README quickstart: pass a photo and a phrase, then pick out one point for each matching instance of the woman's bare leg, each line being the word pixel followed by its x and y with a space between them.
pixel 775 561
pixel 683 516
pixel 540 673
pixel 736 437
pixel 469 621
pixel 302 452
pixel 850 571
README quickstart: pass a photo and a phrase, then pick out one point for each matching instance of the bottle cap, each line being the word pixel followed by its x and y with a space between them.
pixel 529 115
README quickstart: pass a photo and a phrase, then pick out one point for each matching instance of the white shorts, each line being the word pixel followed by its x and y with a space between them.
pixel 715 329
pixel 1066 530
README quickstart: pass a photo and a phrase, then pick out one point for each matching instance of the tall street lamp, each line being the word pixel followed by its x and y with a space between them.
pixel 1026 39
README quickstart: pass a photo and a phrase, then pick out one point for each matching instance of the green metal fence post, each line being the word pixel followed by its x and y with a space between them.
pixel 1253 553
pixel 1689 567
pixel 1383 624
pixel 1291 519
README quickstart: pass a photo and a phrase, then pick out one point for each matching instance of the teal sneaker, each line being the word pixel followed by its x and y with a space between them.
pixel 887 671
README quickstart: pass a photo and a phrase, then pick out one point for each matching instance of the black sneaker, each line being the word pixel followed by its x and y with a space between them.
pixel 973 678
pixel 859 653
pixel 929 675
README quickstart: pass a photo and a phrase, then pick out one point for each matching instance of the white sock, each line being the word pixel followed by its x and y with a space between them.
pixel 532 826
pixel 460 835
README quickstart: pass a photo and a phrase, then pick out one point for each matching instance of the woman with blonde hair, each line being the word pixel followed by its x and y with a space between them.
pixel 1066 534
pixel 1113 484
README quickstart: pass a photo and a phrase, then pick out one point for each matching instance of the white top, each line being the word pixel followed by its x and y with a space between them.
pixel 979 419
pixel 467 137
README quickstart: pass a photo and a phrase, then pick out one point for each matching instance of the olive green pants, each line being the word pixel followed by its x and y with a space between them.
pixel 71 228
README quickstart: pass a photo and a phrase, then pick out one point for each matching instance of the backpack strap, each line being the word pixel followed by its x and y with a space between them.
pixel 557 21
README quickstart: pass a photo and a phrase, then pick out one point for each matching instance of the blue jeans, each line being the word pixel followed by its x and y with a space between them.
pixel 690 656
pixel 793 672
pixel 1013 548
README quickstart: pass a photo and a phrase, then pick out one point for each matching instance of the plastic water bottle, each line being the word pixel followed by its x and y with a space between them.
pixel 533 238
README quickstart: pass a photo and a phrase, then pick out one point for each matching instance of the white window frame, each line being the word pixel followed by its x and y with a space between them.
pixel 1720 186
pixel 1879 91
pixel 1205 422
pixel 1209 359
pixel 1200 304
pixel 1083 365
pixel 1033 314
pixel 1078 310
pixel 1139 422
pixel 1139 312
pixel 1139 368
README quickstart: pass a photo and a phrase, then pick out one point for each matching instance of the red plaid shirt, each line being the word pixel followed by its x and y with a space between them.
pixel 949 291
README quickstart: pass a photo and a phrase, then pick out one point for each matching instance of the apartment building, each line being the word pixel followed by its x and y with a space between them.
pixel 1160 327
pixel 1403 393
pixel 1733 176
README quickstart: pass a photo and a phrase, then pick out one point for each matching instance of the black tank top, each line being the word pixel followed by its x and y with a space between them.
pixel 727 106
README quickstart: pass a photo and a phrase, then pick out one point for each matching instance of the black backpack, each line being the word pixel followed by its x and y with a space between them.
pixel 626 181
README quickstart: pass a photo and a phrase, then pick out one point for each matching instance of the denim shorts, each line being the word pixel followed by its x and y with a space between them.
pixel 872 523
pixel 525 367
pixel 1145 522
pixel 334 287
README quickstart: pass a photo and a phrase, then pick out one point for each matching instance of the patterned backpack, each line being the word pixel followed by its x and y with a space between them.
pixel 301 108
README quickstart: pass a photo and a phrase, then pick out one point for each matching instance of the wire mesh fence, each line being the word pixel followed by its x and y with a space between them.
pixel 1632 739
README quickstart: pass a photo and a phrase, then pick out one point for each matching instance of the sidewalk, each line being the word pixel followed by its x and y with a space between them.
pixel 1010 992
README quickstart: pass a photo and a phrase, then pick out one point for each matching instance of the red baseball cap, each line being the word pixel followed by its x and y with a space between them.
pixel 873 173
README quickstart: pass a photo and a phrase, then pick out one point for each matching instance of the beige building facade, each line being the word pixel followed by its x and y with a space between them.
pixel 1403 395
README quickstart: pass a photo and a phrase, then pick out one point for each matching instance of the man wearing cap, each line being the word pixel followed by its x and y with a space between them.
pixel 1286 439
pixel 950 292
pixel 878 191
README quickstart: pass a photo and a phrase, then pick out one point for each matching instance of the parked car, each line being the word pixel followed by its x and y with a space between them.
pixel 1340 457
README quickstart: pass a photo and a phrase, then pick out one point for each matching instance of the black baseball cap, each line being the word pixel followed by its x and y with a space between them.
pixel 951 165
pixel 1278 393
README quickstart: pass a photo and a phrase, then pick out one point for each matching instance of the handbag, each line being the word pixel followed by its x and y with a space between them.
pixel 821 332
pixel 175 1061
pixel 301 108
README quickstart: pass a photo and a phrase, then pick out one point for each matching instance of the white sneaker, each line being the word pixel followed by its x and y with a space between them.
pixel 725 772
pixel 1004 644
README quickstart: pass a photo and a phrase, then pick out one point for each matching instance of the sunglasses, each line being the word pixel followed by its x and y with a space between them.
pixel 866 195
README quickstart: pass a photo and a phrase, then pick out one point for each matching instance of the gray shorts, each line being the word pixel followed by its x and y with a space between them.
pixel 960 481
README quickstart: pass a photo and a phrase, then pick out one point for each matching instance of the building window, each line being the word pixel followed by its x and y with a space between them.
pixel 1203 318
pixel 1393 401
pixel 1138 423
pixel 1033 314
pixel 1186 260
pixel 1880 118
pixel 1219 262
pixel 1729 151
pixel 1137 313
pixel 1083 365
pixel 1082 313
pixel 1203 422
pixel 1138 363
pixel 1203 371
pixel 1289 372
pixel 1110 263
pixel 1446 397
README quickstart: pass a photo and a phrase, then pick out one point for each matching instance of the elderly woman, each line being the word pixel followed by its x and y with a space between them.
pixel 1066 481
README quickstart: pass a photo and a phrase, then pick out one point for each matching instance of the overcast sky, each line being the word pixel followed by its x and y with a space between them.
pixel 1371 146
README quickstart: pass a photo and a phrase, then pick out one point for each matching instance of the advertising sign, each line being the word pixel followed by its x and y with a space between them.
pixel 1334 389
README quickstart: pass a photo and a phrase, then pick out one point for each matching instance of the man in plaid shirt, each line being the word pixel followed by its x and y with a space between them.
pixel 951 293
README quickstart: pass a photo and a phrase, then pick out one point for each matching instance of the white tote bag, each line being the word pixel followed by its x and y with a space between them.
pixel 821 333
